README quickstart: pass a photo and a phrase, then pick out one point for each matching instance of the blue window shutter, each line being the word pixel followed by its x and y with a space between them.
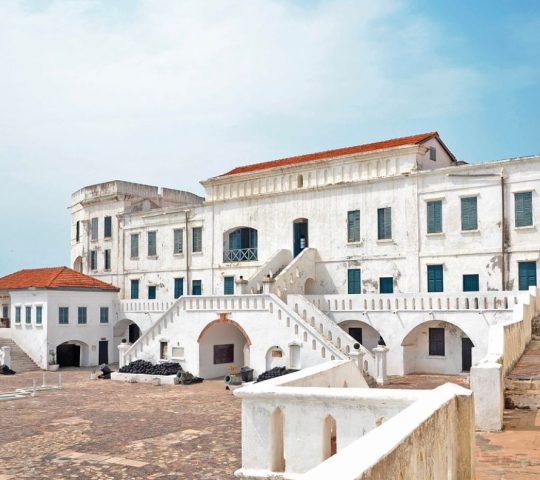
pixel 435 278
pixel 353 281
pixel 384 223
pixel 196 287
pixel 471 283
pixel 134 289
pixel 152 292
pixel 178 287
pixel 527 275
pixel 523 209
pixel 434 216
pixel 386 285
pixel 469 213
pixel 228 285
pixel 353 226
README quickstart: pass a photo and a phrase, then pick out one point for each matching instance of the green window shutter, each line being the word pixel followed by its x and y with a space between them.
pixel 527 275
pixel 386 285
pixel 228 285
pixel 178 287
pixel 134 245
pixel 353 226
pixel 434 216
pixel 104 315
pixel 353 281
pixel 471 283
pixel 107 227
pixel 469 213
pixel 39 315
pixel 435 278
pixel 134 289
pixel 152 247
pixel 523 209
pixel 152 292
pixel 384 223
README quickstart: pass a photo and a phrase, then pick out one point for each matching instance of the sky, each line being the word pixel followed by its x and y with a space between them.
pixel 171 92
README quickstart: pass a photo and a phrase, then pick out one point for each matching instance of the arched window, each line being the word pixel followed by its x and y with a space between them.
pixel 241 245
pixel 300 181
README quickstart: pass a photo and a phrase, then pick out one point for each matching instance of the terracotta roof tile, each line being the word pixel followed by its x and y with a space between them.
pixel 51 278
pixel 368 147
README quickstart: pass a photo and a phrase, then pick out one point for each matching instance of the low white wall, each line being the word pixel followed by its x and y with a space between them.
pixel 432 438
pixel 5 332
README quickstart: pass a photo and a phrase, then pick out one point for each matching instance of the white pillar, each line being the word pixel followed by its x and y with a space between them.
pixel 487 384
pixel 358 357
pixel 122 348
pixel 7 356
pixel 380 352
pixel 267 284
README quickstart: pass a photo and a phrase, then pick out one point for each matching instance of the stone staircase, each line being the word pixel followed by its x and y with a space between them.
pixel 522 384
pixel 20 361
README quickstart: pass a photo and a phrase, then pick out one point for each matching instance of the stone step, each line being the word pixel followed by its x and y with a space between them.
pixel 522 384
pixel 20 361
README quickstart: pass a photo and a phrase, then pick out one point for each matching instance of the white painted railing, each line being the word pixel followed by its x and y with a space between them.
pixel 329 329
pixel 293 278
pixel 151 306
pixel 416 301
pixel 277 262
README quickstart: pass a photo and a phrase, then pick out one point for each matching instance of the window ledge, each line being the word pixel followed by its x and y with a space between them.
pixel 440 357
pixel 470 232
pixel 134 258
pixel 179 358
pixel 436 234
pixel 152 257
pixel 107 270
pixel 178 254
pixel 386 240
pixel 108 238
pixel 355 244
pixel 196 253
pixel 525 228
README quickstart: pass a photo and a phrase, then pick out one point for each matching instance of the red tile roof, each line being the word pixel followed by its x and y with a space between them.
pixel 52 278
pixel 368 147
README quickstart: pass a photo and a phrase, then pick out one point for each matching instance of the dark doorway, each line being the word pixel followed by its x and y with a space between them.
pixel 301 238
pixel 68 355
pixel 356 333
pixel 134 332
pixel 103 352
pixel 466 353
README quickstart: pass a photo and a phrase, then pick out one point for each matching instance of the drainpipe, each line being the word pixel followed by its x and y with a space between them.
pixel 186 215
pixel 213 242
pixel 503 234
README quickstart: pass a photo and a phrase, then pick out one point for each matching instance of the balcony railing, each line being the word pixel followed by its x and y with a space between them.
pixel 240 255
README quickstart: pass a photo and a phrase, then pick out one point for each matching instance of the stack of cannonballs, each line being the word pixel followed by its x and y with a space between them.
pixel 147 368
pixel 273 373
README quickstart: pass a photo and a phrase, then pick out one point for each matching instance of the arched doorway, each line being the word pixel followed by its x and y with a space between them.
pixel 126 329
pixel 310 287
pixel 275 357
pixel 222 343
pixel 300 235
pixel 72 353
pixel 240 245
pixel 78 265
pixel 362 332
pixel 437 347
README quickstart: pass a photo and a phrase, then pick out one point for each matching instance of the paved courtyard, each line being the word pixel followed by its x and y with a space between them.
pixel 99 429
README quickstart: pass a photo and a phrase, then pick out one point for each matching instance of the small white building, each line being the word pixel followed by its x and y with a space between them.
pixel 59 315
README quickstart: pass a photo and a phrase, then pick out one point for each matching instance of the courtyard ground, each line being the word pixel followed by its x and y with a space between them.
pixel 99 429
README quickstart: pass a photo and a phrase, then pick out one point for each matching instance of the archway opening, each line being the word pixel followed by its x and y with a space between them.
pixel 72 353
pixel 78 265
pixel 222 345
pixel 437 347
pixel 310 287
pixel 300 235
pixel 362 332
pixel 275 357
pixel 126 329
pixel 277 455
pixel 329 437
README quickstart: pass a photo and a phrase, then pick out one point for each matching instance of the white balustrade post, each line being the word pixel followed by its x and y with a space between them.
pixel 358 357
pixel 122 349
pixel 241 285
pixel 380 352
pixel 7 356
pixel 267 284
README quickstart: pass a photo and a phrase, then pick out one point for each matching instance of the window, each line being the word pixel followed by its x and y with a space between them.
pixel 103 314
pixel 152 292
pixel 197 239
pixel 17 314
pixel 435 278
pixel 434 216
pixel 39 315
pixel 107 227
pixel 134 245
pixel 196 287
pixel 163 350
pixel 386 285
pixel 134 289
pixel 469 213
pixel 228 285
pixel 78 231
pixel 5 311
pixel 223 354
pixel 28 314
pixel 82 316
pixel 384 223
pixel 433 154
pixel 93 260
pixel 300 181
pixel 178 240
pixel 242 245
pixel 353 226
pixel 178 287
pixel 353 280
pixel 63 315
pixel 527 275
pixel 107 257
pixel 94 229
pixel 152 252
pixel 523 209
pixel 436 342
pixel 471 283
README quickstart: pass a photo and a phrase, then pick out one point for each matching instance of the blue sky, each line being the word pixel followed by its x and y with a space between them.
pixel 172 92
